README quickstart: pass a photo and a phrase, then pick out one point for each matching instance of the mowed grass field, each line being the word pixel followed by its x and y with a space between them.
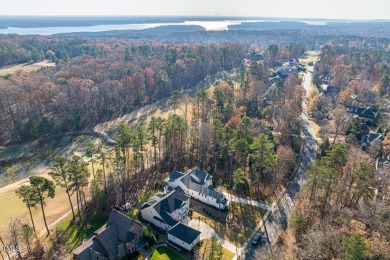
pixel 13 207
pixel 27 67
pixel 311 56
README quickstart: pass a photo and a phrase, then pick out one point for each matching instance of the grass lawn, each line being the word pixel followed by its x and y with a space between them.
pixel 165 253
pixel 227 255
pixel 243 219
pixel 145 196
pixel 75 232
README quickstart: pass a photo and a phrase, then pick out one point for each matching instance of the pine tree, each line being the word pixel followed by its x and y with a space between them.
pixel 44 188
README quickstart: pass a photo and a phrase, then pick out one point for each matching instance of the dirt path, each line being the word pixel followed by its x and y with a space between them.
pixel 13 186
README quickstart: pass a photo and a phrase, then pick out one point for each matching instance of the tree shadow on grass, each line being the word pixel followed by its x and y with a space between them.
pixel 77 231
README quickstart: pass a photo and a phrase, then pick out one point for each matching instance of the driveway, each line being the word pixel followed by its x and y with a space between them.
pixel 208 232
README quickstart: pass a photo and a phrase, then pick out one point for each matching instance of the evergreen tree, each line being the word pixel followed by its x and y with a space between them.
pixel 29 197
pixel 44 188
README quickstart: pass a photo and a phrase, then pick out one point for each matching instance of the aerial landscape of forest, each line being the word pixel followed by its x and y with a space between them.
pixel 254 131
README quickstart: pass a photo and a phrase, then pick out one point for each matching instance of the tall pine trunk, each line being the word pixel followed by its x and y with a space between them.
pixel 93 169
pixel 43 214
pixel 104 172
pixel 31 217
pixel 70 200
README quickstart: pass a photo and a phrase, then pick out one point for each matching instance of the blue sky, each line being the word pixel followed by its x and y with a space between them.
pixel 341 9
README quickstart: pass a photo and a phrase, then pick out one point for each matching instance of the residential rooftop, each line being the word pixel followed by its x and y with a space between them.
pixel 184 233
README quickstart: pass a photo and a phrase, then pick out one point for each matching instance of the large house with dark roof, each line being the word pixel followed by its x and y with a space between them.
pixel 166 210
pixel 372 139
pixel 118 238
pixel 184 236
pixel 284 72
pixel 362 112
pixel 197 184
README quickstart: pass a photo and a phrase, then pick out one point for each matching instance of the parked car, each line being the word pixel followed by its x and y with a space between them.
pixel 256 238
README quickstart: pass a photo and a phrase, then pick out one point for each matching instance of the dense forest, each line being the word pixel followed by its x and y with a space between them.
pixel 97 80
pixel 104 80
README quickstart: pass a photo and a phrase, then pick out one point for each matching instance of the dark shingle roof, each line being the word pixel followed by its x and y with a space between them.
pixel 195 175
pixel 175 175
pixel 368 112
pixel 372 138
pixel 184 233
pixel 195 179
pixel 171 202
pixel 285 71
pixel 167 219
pixel 119 229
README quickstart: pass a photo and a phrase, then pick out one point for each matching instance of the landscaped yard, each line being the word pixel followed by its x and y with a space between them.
pixel 206 246
pixel 240 222
pixel 165 253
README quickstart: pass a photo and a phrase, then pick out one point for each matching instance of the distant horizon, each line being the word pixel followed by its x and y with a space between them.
pixel 298 9
pixel 190 16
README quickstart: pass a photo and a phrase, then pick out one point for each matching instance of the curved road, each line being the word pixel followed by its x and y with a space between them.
pixel 282 210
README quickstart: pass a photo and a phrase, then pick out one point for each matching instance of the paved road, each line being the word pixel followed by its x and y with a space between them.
pixel 281 212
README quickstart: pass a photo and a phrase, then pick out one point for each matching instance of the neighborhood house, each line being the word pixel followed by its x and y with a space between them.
pixel 197 184
pixel 362 112
pixel 170 212
pixel 118 238
pixel 165 210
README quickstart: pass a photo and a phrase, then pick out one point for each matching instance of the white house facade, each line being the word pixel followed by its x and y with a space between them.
pixel 197 184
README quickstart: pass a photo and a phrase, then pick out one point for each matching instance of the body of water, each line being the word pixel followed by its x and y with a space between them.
pixel 214 25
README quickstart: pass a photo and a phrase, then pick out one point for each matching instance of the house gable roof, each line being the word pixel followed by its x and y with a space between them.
pixel 195 179
pixel 119 229
pixel 175 175
pixel 195 175
pixel 368 112
pixel 184 233
pixel 169 203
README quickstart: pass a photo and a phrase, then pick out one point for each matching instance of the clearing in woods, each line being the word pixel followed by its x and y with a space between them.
pixel 27 67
